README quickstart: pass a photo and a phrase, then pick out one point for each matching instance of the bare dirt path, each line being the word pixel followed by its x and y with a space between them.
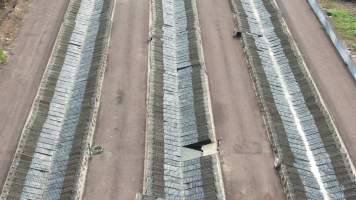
pixel 336 85
pixel 118 172
pixel 20 78
pixel 247 161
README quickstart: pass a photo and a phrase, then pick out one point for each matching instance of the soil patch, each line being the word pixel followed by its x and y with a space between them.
pixel 11 17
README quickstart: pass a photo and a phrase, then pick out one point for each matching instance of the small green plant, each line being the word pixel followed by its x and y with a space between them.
pixel 96 150
pixel 3 56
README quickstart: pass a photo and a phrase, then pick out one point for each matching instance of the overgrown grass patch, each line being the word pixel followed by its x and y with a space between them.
pixel 343 19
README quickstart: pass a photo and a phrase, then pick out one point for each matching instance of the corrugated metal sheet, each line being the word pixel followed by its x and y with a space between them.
pixel 178 112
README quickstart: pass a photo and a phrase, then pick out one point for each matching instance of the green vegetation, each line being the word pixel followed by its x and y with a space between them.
pixel 3 56
pixel 343 19
pixel 97 149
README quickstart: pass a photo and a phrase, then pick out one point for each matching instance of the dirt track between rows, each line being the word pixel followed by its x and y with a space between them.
pixel 118 172
pixel 247 160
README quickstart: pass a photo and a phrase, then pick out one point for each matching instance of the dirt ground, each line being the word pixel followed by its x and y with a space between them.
pixel 11 19
pixel 117 173
pixel 335 83
pixel 20 78
pixel 247 160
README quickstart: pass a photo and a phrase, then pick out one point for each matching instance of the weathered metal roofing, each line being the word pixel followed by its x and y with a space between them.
pixel 178 110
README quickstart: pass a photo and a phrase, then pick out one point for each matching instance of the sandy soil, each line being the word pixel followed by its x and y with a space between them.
pixel 20 78
pixel 247 160
pixel 335 83
pixel 11 19
pixel 118 172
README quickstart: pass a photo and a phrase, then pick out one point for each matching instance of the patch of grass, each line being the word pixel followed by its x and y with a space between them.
pixel 344 21
pixel 343 17
pixel 3 56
